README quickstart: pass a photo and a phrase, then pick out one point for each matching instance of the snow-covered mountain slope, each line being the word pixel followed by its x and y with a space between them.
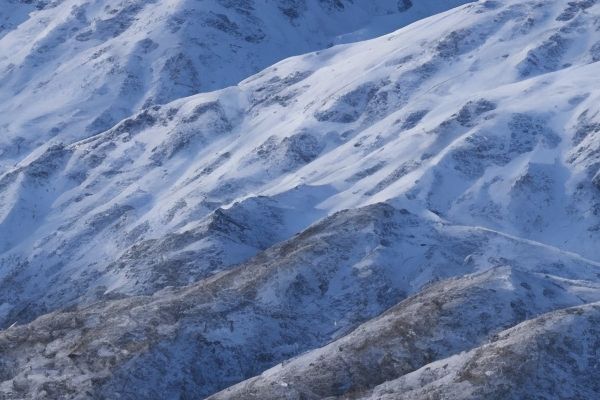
pixel 293 297
pixel 444 319
pixel 73 68
pixel 309 199
pixel 473 121
pixel 553 356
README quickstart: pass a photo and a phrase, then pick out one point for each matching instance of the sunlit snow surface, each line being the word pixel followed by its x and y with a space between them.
pixel 71 68
pixel 447 172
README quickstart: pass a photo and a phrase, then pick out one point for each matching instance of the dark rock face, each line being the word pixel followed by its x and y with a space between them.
pixel 350 106
pixel 404 5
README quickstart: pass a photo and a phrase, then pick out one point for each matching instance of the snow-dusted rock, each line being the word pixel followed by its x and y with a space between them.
pixel 438 120
pixel 199 242
pixel 552 356
pixel 442 320
pixel 293 297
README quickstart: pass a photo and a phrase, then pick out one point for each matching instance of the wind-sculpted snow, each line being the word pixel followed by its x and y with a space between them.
pixel 73 68
pixel 448 173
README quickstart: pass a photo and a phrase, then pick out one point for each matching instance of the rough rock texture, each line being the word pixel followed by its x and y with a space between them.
pixel 395 218
pixel 298 295
pixel 552 356
pixel 442 320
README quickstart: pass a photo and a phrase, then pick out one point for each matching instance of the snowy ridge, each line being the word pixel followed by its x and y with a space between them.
pixel 444 319
pixel 402 133
pixel 297 295
pixel 565 337
pixel 70 69
pixel 408 199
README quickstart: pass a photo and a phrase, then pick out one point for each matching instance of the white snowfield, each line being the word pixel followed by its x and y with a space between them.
pixel 402 217
pixel 72 68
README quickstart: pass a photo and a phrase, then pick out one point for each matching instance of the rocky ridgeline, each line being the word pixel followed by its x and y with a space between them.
pixel 395 218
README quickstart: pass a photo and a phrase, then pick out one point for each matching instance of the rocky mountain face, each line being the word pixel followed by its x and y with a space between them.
pixel 415 216
pixel 307 291
pixel 457 330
